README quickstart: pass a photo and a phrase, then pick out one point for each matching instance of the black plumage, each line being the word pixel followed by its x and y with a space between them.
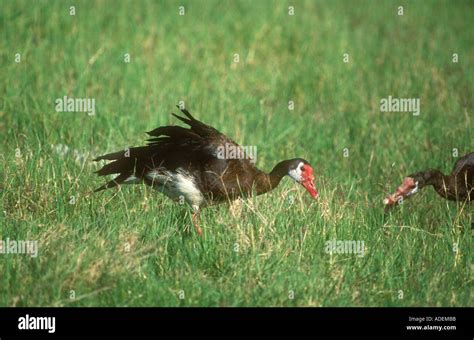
pixel 184 162
pixel 457 186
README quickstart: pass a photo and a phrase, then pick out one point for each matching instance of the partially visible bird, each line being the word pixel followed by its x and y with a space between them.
pixel 187 164
pixel 458 186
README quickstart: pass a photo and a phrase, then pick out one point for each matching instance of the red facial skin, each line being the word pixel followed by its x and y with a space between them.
pixel 402 192
pixel 308 180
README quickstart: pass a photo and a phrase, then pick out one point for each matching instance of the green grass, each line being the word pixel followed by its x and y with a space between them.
pixel 129 247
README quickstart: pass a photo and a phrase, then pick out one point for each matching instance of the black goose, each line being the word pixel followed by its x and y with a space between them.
pixel 458 186
pixel 189 164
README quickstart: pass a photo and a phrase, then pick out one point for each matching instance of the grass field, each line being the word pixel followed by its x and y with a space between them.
pixel 130 247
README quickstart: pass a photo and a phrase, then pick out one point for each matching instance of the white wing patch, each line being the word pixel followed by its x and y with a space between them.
pixel 187 187
pixel 177 184
pixel 132 180
pixel 159 177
